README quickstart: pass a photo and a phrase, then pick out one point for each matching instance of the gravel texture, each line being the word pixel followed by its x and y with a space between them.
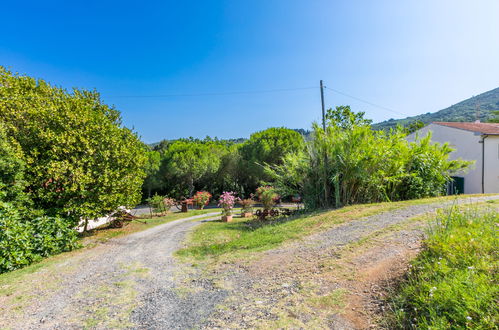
pixel 134 281
pixel 90 291
pixel 274 284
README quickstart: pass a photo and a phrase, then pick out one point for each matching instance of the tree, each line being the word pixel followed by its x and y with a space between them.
pixel 80 161
pixel 496 119
pixel 343 117
pixel 186 162
pixel 152 181
pixel 12 182
pixel 414 126
pixel 267 147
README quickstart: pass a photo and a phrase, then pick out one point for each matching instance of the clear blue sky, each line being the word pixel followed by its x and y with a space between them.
pixel 409 56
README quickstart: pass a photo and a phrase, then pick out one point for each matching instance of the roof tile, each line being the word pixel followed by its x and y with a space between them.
pixel 483 128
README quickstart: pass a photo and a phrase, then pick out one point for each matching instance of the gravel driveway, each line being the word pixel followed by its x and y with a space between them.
pixel 126 282
pixel 134 282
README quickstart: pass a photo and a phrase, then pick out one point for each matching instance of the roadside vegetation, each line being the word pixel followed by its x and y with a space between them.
pixel 225 241
pixel 64 157
pixel 453 282
pixel 12 282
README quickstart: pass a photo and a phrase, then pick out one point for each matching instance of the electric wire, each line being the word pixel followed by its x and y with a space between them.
pixel 365 101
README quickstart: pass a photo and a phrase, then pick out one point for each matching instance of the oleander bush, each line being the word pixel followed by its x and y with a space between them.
pixel 453 283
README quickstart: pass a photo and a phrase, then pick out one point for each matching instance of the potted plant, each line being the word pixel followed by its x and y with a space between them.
pixel 247 207
pixel 268 196
pixel 201 199
pixel 226 202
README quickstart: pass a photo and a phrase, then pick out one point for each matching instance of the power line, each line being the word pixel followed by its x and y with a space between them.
pixel 263 91
pixel 365 101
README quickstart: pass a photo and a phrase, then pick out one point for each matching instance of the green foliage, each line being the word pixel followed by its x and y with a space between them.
pixel 343 117
pixel 157 203
pixel 267 147
pixel 413 126
pixel 52 235
pixel 268 196
pixel 24 242
pixel 213 165
pixel 79 160
pixel 453 282
pixel 495 118
pixel 152 165
pixel 12 182
pixel 187 162
pixel 464 111
pixel 354 164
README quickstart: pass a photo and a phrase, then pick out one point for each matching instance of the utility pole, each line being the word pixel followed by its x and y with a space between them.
pixel 323 110
pixel 326 187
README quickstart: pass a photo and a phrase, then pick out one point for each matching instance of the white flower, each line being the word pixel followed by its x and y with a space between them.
pixel 471 267
pixel 468 318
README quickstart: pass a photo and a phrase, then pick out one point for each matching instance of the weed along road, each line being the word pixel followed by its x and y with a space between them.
pixel 136 282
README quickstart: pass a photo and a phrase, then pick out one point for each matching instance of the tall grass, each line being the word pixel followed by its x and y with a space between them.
pixel 343 166
pixel 453 283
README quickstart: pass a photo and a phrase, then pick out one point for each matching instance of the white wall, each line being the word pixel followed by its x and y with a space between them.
pixel 492 164
pixel 467 147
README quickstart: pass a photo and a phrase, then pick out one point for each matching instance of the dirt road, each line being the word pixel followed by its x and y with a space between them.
pixel 134 281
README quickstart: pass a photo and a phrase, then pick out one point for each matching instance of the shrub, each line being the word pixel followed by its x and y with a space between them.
pixel 268 196
pixel 168 202
pixel 16 240
pixel 227 201
pixel 201 198
pixel 157 203
pixel 52 235
pixel 246 205
pixel 80 160
pixel 24 242
pixel 453 282
pixel 349 163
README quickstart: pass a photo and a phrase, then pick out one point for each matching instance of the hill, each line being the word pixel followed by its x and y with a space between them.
pixel 462 111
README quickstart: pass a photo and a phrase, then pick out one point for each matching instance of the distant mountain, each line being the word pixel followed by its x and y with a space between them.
pixel 462 111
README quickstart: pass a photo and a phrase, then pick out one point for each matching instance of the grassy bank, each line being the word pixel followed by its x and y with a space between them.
pixel 453 283
pixel 219 239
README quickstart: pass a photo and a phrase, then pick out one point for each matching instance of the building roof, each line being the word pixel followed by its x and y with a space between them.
pixel 483 128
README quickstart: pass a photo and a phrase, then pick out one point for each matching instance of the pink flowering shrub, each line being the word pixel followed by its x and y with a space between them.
pixel 227 201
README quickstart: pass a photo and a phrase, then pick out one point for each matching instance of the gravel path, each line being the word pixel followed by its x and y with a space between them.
pixel 134 281
pixel 135 273
pixel 272 285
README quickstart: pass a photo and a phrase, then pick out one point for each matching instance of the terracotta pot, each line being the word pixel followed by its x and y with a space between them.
pixel 227 218
pixel 246 215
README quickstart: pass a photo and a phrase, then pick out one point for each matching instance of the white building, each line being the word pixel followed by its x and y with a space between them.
pixel 472 141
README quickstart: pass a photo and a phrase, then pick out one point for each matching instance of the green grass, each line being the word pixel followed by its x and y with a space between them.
pixel 453 283
pixel 243 236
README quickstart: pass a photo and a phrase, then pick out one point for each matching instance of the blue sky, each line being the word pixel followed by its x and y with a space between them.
pixel 408 56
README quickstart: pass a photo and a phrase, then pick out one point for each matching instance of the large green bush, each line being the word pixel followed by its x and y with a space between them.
pixel 24 242
pixel 80 162
pixel 350 163
pixel 16 240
